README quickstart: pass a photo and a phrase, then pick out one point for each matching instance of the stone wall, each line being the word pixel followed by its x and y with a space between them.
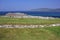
pixel 28 26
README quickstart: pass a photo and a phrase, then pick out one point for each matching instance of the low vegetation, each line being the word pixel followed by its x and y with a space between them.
pixel 46 33
pixel 6 20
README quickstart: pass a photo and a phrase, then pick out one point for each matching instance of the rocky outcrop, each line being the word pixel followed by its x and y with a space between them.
pixel 23 15
pixel 15 14
pixel 28 26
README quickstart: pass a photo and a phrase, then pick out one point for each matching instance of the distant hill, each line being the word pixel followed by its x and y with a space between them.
pixel 46 10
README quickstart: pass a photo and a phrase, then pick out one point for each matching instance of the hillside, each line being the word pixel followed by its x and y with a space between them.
pixel 46 10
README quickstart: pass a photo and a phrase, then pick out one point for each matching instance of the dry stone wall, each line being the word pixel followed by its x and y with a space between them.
pixel 28 26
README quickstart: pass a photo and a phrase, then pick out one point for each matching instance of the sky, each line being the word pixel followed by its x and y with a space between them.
pixel 24 5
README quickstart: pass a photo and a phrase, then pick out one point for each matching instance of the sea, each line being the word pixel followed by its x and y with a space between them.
pixel 35 13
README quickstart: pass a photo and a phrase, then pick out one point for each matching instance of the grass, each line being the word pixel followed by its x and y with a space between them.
pixel 54 29
pixel 47 33
pixel 6 20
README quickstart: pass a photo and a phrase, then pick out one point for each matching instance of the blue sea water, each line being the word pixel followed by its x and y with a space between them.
pixel 34 13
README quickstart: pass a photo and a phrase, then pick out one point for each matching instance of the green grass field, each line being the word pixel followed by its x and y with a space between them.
pixel 46 33
pixel 5 20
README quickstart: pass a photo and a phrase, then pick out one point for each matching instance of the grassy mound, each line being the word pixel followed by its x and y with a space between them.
pixel 47 33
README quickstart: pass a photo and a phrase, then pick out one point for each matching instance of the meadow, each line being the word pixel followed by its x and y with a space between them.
pixel 6 20
pixel 46 33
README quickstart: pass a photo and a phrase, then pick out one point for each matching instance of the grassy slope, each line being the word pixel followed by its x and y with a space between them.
pixel 47 33
pixel 27 21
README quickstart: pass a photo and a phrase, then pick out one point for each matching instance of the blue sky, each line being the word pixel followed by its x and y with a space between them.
pixel 21 5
